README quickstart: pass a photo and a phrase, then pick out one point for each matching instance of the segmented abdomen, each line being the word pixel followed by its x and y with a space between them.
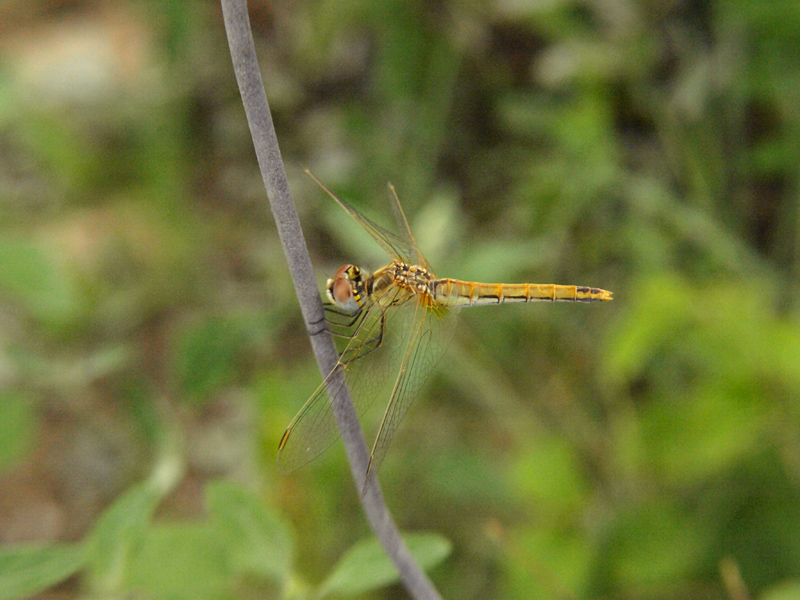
pixel 453 292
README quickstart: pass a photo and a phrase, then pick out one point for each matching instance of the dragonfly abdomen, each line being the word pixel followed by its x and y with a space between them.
pixel 453 292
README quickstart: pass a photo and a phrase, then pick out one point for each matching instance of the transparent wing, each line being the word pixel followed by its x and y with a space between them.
pixel 430 332
pixel 368 359
pixel 395 246
pixel 408 337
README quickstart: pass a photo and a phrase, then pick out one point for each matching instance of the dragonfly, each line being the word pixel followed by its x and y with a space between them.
pixel 394 325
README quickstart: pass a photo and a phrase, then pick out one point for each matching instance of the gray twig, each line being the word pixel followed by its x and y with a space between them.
pixel 248 76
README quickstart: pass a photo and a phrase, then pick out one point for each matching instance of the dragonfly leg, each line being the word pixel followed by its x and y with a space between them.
pixel 343 324
pixel 369 345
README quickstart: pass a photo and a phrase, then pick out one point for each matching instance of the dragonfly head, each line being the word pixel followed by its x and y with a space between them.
pixel 347 289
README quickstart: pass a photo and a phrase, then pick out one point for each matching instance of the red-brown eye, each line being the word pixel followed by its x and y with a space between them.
pixel 341 291
pixel 342 272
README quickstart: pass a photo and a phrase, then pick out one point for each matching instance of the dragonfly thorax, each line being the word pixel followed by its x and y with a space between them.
pixel 413 279
pixel 347 289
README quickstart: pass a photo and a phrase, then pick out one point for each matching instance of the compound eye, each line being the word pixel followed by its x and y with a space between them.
pixel 341 291
pixel 345 272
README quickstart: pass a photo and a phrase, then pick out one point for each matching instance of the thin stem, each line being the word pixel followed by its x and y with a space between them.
pixel 265 141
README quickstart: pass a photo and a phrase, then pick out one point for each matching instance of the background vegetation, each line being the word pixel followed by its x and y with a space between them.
pixel 644 449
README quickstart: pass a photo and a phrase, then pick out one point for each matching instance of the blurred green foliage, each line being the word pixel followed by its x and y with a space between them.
pixel 241 547
pixel 646 448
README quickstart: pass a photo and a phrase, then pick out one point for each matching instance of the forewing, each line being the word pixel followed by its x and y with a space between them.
pixel 405 229
pixel 312 430
pixel 394 245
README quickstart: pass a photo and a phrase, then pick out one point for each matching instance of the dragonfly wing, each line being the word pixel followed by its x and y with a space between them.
pixel 430 333
pixel 402 222
pixel 394 245
pixel 369 357
pixel 313 430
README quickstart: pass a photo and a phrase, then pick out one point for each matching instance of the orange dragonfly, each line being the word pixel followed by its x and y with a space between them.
pixel 395 325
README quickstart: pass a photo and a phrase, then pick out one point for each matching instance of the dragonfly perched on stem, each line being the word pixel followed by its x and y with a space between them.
pixel 395 325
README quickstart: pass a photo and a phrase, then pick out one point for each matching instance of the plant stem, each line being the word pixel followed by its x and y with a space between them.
pixel 265 141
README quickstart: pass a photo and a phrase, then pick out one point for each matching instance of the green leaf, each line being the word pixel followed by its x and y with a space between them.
pixel 181 561
pixel 208 354
pixel 550 475
pixel 653 546
pixel 35 279
pixel 117 535
pixel 652 321
pixel 691 440
pixel 786 590
pixel 27 570
pixel 16 428
pixel 260 542
pixel 366 567
pixel 563 553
